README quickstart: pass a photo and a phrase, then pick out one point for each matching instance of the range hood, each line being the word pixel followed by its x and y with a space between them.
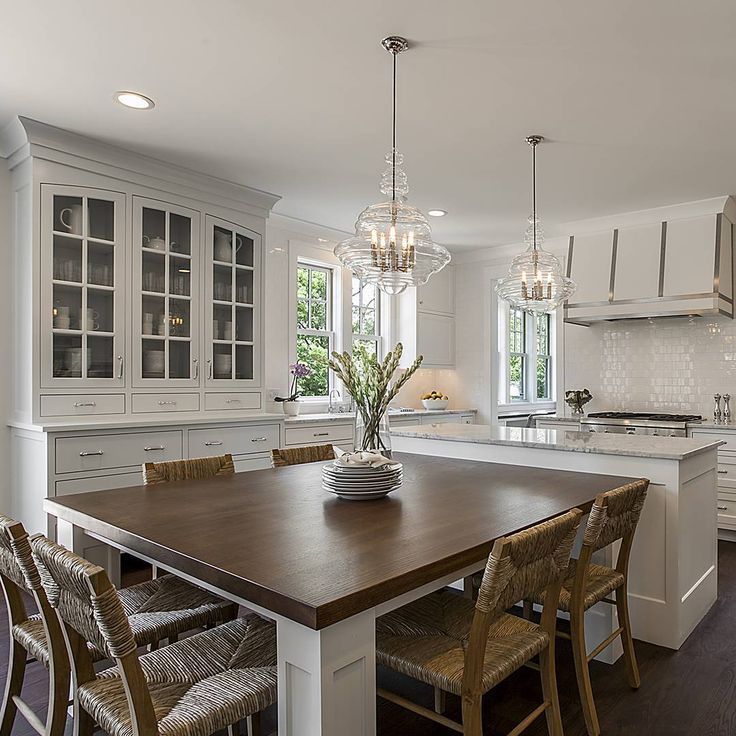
pixel 674 267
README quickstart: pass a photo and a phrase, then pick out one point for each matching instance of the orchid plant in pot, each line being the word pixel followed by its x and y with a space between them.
pixel 291 402
pixel 369 383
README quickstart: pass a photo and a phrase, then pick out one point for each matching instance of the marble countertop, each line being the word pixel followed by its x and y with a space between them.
pixel 667 448
pixel 557 418
pixel 349 415
pixel 711 425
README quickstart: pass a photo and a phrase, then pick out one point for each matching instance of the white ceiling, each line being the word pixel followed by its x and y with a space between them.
pixel 292 96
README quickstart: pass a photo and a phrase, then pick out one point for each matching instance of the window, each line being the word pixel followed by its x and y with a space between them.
pixel 526 352
pixel 366 317
pixel 314 335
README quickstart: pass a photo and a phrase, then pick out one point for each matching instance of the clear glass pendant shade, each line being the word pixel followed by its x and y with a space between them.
pixel 535 281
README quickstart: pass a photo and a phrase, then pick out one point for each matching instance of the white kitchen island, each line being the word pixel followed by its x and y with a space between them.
pixel 674 565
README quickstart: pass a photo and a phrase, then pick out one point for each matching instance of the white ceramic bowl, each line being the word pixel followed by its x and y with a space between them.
pixel 435 403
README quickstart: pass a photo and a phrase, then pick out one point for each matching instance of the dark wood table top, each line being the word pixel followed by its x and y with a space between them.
pixel 277 539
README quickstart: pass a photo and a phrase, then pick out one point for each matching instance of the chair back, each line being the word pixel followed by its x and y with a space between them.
pixel 14 537
pixel 195 469
pixel 88 604
pixel 519 566
pixel 300 455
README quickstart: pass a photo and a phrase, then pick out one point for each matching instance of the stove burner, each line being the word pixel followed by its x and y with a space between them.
pixel 648 416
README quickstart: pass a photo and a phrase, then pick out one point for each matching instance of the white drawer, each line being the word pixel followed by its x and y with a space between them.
pixel 223 402
pixel 102 483
pixel 726 512
pixel 318 434
pixel 233 440
pixel 442 419
pixel 98 452
pixel 467 419
pixel 147 403
pixel 727 436
pixel 726 476
pixel 245 464
pixel 82 405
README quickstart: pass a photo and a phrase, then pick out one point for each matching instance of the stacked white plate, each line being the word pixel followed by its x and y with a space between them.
pixel 361 482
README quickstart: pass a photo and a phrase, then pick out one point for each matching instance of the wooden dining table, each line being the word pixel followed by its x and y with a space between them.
pixel 321 567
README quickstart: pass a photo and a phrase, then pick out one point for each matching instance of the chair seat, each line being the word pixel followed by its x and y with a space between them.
pixel 427 640
pixel 198 685
pixel 157 609
pixel 602 581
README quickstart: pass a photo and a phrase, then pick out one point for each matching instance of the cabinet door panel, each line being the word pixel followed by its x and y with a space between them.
pixel 83 287
pixel 436 340
pixel 591 267
pixel 165 295
pixel 438 294
pixel 690 256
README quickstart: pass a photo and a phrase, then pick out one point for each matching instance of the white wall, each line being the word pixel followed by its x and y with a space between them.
pixel 6 256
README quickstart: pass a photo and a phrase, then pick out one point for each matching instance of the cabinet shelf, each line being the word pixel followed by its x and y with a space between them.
pixel 232 342
pixel 62 282
pixel 59 331
pixel 98 287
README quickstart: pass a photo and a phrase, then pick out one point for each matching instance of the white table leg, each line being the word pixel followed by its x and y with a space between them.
pixel 73 538
pixel 327 678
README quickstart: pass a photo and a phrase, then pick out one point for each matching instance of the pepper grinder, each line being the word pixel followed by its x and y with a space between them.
pixel 726 408
pixel 717 409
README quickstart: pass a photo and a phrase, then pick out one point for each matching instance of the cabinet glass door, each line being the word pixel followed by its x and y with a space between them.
pixel 165 283
pixel 83 245
pixel 233 293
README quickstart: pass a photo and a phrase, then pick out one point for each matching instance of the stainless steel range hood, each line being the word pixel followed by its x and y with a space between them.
pixel 672 268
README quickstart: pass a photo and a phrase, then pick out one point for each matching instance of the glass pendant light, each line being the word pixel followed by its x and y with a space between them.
pixel 536 281
pixel 392 246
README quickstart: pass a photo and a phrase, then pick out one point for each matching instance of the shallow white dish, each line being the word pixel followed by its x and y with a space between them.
pixel 372 496
pixel 359 488
pixel 435 403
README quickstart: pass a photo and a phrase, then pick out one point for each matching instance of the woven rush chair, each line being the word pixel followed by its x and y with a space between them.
pixel 447 641
pixel 39 635
pixel 195 469
pixel 194 687
pixel 614 516
pixel 300 455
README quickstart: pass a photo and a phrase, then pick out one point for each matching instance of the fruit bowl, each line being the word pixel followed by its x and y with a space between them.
pixel 435 403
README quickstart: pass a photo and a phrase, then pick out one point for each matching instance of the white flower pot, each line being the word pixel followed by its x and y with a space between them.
pixel 291 408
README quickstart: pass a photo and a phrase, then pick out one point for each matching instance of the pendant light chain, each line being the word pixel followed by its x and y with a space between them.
pixel 534 192
pixel 393 138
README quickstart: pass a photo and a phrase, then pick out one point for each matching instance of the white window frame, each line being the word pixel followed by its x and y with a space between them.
pixel 530 401
pixel 361 336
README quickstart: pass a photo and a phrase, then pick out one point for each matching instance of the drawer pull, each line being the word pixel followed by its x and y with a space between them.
pixel 321 434
pixel 87 453
pixel 85 403
pixel 723 508
pixel 213 443
pixel 152 448
pixel 258 439
pixel 166 403
pixel 120 366
pixel 232 401
pixel 723 472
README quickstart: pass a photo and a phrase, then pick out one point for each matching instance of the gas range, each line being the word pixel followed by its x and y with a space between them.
pixel 629 422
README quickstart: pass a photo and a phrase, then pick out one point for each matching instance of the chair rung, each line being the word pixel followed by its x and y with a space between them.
pixel 419 710
pixel 563 635
pixel 33 720
pixel 610 601
pixel 605 643
pixel 530 718
pixel 532 666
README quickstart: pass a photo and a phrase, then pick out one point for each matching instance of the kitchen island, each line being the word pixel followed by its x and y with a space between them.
pixel 674 565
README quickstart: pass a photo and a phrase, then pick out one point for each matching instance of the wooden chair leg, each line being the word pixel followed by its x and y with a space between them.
pixel 549 690
pixel 440 701
pixel 234 729
pixel 254 724
pixel 580 656
pixel 622 606
pixel 59 681
pixel 13 686
pixel 528 610
pixel 84 724
pixel 472 715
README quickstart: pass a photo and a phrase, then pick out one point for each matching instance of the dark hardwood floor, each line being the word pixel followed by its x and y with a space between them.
pixel 691 692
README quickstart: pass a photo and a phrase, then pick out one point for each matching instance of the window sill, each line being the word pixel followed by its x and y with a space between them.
pixel 527 407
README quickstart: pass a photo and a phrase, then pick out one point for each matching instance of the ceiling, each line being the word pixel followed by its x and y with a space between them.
pixel 636 98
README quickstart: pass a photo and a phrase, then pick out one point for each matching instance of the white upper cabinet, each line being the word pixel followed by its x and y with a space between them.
pixel 690 252
pixel 438 294
pixel 638 257
pixel 591 267
pixel 165 292
pixel 83 287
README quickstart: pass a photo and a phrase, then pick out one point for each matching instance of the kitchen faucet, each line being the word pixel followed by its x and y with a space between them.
pixel 331 409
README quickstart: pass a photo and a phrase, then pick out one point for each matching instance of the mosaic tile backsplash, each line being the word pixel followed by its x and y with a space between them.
pixel 673 364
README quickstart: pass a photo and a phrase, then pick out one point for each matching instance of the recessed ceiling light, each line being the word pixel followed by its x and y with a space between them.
pixel 436 213
pixel 135 100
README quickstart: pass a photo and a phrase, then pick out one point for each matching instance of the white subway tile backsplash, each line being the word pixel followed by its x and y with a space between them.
pixel 653 365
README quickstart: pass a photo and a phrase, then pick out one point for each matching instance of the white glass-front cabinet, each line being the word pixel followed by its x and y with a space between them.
pixel 165 289
pixel 232 292
pixel 83 287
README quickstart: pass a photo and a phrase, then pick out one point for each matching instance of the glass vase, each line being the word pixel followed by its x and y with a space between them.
pixel 373 435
